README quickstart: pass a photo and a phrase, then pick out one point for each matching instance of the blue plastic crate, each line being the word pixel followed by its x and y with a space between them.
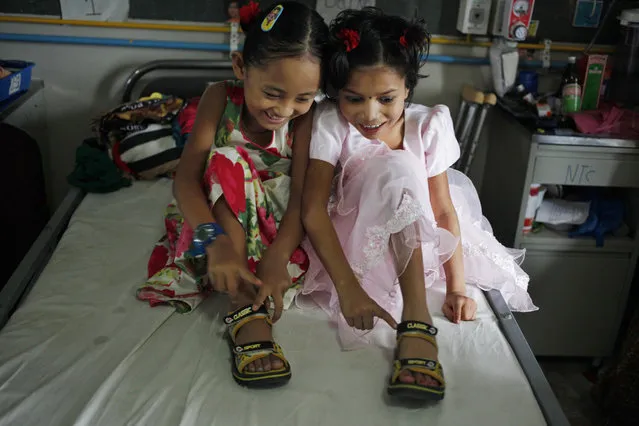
pixel 19 81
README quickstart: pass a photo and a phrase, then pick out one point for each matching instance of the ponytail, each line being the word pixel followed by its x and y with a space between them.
pixel 416 37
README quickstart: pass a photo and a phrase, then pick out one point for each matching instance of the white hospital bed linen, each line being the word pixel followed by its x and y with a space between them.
pixel 83 351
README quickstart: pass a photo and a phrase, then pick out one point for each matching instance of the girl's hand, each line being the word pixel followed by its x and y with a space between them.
pixel 458 307
pixel 359 309
pixel 227 268
pixel 276 281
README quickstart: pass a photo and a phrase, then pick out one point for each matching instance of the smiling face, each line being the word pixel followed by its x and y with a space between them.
pixel 373 101
pixel 278 91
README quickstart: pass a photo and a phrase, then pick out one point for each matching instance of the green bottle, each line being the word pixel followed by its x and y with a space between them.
pixel 570 88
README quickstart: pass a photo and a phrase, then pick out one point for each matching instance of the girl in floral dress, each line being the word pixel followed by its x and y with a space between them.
pixel 238 187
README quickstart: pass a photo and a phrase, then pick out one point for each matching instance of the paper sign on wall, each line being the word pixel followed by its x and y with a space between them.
pixel 587 13
pixel 95 10
pixel 330 8
pixel 234 39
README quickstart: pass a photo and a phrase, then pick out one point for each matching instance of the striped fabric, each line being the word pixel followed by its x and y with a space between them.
pixel 148 153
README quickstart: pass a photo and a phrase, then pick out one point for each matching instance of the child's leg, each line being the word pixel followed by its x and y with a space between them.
pixel 415 309
pixel 254 331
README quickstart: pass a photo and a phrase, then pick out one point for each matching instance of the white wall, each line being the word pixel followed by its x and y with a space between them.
pixel 81 82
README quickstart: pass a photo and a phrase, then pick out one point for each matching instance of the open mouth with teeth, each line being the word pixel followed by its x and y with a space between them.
pixel 372 126
pixel 275 118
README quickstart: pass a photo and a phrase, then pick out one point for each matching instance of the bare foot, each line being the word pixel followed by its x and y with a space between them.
pixel 258 331
pixel 415 347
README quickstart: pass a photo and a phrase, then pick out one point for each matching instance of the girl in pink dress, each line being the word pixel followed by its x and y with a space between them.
pixel 384 214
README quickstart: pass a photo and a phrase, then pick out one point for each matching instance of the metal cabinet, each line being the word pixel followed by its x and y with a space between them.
pixel 581 289
pixel 579 296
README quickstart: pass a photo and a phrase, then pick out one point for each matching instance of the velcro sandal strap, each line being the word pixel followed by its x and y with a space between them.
pixel 253 347
pixel 236 320
pixel 246 354
pixel 429 367
pixel 416 327
pixel 424 363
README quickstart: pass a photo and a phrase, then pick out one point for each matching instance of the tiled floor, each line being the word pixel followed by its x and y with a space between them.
pixel 566 377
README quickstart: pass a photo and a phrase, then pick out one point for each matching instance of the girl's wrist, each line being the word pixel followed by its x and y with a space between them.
pixel 456 287
pixel 346 283
pixel 220 239
pixel 276 255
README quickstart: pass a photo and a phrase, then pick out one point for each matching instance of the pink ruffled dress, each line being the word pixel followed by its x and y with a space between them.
pixel 380 208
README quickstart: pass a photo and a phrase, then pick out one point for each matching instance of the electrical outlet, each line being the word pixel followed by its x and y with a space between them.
pixel 473 16
pixel 587 13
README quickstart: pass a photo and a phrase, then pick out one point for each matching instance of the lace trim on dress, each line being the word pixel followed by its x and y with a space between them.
pixel 506 263
pixel 378 237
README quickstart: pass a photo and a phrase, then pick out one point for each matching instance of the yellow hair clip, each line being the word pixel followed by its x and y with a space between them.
pixel 273 15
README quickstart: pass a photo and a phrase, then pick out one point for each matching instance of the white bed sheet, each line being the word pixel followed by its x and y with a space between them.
pixel 81 350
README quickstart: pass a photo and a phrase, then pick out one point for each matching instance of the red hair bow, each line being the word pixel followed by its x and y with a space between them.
pixel 249 12
pixel 402 39
pixel 349 37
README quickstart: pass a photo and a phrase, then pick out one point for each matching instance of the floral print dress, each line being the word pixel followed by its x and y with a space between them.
pixel 255 183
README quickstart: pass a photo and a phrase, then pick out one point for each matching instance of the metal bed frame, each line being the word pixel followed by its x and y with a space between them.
pixel 28 271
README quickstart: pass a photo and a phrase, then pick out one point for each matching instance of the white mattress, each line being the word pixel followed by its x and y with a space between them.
pixel 82 350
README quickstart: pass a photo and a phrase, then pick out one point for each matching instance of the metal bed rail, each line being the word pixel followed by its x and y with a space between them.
pixel 552 411
pixel 171 65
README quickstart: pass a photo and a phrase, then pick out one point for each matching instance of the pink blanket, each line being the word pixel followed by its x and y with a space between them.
pixel 609 120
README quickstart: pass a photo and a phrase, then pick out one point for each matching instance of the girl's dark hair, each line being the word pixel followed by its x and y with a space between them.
pixel 298 30
pixel 383 40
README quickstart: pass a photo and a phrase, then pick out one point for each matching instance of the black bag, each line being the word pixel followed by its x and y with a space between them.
pixel 24 211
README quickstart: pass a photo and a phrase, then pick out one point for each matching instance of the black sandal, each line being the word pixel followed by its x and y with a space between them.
pixel 245 354
pixel 428 367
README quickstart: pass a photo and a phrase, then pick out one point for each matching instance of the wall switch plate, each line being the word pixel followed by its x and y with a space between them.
pixel 533 28
pixel 473 16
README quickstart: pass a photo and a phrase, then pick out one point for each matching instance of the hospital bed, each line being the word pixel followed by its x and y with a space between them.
pixel 77 348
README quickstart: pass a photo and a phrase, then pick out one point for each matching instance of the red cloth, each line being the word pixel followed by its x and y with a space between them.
pixel 186 117
pixel 608 120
